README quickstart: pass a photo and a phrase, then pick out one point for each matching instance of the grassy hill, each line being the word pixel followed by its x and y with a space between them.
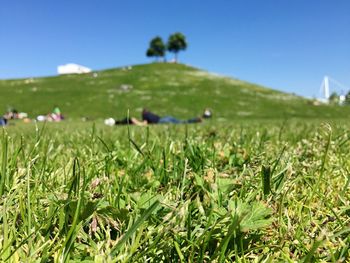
pixel 167 89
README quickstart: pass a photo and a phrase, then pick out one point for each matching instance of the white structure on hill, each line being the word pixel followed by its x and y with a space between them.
pixel 325 87
pixel 72 69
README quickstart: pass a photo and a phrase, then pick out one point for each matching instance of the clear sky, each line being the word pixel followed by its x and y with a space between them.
pixel 284 44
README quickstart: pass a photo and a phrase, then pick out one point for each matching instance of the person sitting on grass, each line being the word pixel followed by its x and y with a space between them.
pixel 9 115
pixel 55 116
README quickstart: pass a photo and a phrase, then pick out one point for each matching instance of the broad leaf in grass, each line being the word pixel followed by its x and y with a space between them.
pixel 145 199
pixel 227 185
pixel 250 216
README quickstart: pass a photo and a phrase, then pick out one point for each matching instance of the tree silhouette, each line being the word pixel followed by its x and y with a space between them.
pixel 334 98
pixel 176 43
pixel 347 98
pixel 156 48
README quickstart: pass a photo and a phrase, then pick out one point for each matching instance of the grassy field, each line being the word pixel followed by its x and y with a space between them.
pixel 251 184
pixel 167 89
pixel 245 191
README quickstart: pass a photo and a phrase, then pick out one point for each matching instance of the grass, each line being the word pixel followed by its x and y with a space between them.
pixel 245 191
pixel 168 89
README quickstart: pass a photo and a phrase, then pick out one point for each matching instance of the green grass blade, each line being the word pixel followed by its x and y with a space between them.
pixel 134 228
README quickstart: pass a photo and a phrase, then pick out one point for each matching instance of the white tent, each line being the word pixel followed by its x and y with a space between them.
pixel 72 69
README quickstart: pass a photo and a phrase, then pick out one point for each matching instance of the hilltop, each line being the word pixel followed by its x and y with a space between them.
pixel 174 89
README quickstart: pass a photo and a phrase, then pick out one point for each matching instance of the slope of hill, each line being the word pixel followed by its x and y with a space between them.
pixel 168 89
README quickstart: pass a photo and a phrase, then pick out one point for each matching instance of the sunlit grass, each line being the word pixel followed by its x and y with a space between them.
pixel 270 191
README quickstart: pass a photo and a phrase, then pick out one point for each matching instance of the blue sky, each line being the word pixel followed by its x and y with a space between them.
pixel 284 44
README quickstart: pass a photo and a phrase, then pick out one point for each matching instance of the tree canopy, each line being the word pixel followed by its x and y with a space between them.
pixel 176 43
pixel 334 98
pixel 347 98
pixel 156 48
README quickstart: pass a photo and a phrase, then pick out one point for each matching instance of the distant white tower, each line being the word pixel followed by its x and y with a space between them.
pixel 325 87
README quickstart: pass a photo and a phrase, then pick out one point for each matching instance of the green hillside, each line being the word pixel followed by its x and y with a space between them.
pixel 168 89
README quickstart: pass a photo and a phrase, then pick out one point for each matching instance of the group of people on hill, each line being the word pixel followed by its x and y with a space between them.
pixel 13 114
pixel 149 117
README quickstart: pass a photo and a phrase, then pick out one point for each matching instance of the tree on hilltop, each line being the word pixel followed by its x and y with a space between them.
pixel 156 48
pixel 176 43
pixel 334 98
pixel 347 98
